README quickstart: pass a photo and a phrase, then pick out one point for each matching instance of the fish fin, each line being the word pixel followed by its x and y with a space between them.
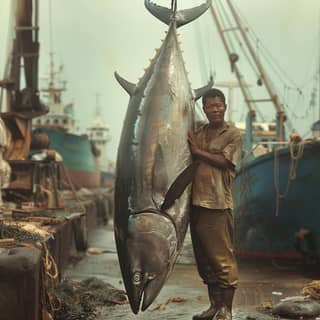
pixel 188 15
pixel 179 185
pixel 162 13
pixel 126 85
pixel 160 179
pixel 198 93
pixel 182 17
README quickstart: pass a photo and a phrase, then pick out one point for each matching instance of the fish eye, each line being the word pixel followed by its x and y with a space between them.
pixel 136 278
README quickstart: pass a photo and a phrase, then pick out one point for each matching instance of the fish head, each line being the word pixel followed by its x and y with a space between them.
pixel 152 246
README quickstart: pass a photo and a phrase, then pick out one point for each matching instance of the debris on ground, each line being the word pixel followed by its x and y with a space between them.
pixel 162 306
pixel 80 300
pixel 250 314
pixel 312 289
pixel 94 251
pixel 265 306
pixel 97 251
pixel 200 298
pixel 297 307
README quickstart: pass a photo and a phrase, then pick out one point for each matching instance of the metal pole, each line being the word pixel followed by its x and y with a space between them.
pixel 235 67
pixel 272 94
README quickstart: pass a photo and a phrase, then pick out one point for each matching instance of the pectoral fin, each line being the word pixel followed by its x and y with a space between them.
pixel 159 177
pixel 179 185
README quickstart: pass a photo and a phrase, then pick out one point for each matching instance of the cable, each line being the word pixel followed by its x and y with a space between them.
pixel 254 35
pixel 238 40
pixel 200 52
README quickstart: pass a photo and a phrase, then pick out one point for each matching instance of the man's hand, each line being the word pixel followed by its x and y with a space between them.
pixel 194 148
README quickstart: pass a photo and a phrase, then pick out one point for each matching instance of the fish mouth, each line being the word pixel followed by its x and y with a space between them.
pixel 143 294
pixel 152 290
pixel 135 296
pixel 151 249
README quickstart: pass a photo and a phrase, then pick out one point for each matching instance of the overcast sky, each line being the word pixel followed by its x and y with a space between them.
pixel 93 38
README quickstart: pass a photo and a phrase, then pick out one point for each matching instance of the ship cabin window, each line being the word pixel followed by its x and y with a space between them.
pixel 55 121
pixel 39 121
pixel 99 134
pixel 47 121
pixel 65 121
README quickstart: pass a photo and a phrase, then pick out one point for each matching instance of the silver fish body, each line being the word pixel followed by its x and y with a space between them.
pixel 152 153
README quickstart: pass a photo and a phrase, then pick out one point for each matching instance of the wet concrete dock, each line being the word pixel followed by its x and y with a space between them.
pixel 261 284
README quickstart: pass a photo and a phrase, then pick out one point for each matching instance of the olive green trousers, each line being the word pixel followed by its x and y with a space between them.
pixel 212 239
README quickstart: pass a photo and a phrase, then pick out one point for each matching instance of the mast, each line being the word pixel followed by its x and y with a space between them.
pixel 248 140
pixel 7 83
pixel 232 56
pixel 98 108
pixel 99 134
pixel 21 83
pixel 54 91
pixel 262 75
pixel 26 56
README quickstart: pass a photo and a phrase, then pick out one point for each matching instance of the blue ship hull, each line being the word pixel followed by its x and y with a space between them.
pixel 264 229
pixel 77 155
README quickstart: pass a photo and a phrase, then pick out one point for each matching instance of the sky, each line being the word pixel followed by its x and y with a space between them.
pixel 94 38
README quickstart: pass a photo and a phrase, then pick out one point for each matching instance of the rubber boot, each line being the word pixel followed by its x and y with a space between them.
pixel 215 296
pixel 228 294
pixel 225 310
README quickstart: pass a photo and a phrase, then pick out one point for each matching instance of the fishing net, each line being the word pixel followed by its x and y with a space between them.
pixel 80 300
pixel 18 234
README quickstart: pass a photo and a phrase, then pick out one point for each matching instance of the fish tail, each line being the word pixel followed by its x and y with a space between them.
pixel 181 17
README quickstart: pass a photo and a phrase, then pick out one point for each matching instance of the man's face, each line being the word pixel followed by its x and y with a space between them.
pixel 214 109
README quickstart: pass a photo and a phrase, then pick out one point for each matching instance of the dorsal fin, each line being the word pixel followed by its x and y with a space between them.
pixel 182 17
pixel 126 85
pixel 201 91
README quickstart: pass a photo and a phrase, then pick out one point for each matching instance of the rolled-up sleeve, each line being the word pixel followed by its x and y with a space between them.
pixel 232 151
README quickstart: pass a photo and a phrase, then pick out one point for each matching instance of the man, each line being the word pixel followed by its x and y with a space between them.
pixel 217 148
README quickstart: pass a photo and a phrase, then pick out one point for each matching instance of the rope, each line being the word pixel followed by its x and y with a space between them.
pixel 55 186
pixel 49 272
pixel 292 170
pixel 50 266
pixel 202 58
pixel 72 187
pixel 174 6
pixel 239 41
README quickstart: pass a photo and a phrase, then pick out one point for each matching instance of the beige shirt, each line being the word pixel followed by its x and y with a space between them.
pixel 212 186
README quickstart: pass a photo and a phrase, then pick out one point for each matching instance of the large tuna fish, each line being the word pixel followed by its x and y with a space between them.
pixel 152 196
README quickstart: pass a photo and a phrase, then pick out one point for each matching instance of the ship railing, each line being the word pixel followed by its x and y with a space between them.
pixel 263 147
